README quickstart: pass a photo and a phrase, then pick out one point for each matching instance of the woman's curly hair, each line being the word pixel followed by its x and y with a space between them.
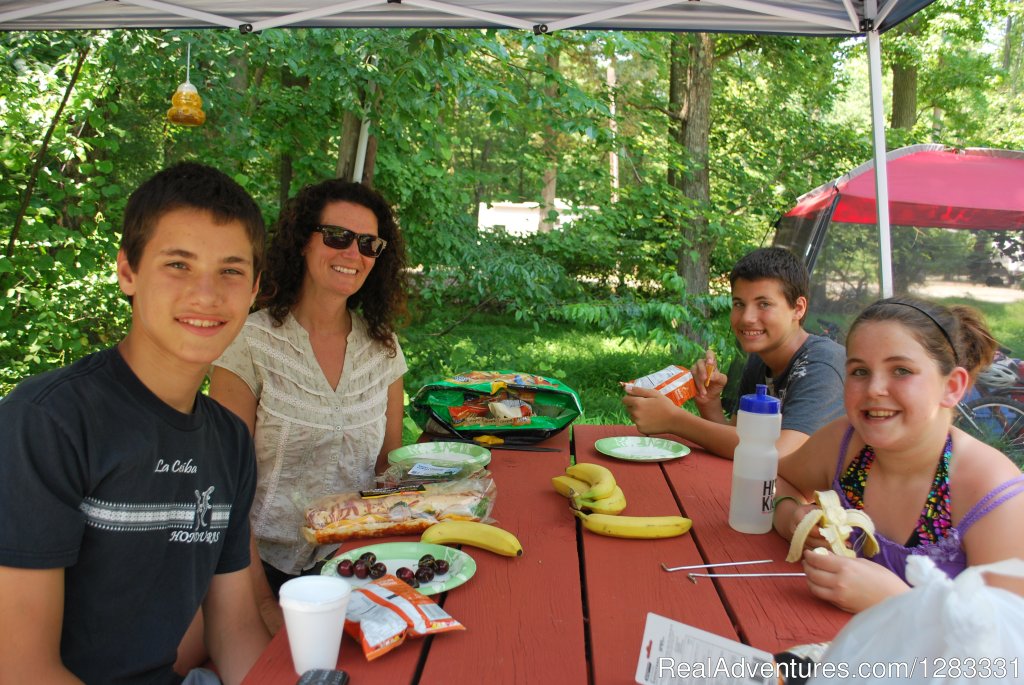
pixel 382 298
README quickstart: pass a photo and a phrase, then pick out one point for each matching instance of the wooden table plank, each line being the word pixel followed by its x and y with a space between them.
pixel 624 579
pixel 770 613
pixel 524 617
pixel 531 619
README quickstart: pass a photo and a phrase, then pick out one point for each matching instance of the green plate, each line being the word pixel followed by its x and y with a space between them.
pixel 395 555
pixel 641 449
pixel 457 452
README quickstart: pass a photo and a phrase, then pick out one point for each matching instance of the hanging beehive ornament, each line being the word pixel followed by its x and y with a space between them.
pixel 186 105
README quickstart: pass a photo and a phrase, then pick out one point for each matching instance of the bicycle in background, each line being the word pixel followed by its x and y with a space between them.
pixel 993 411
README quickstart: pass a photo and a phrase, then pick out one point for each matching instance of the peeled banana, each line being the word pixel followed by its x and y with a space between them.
pixel 646 527
pixel 600 480
pixel 613 504
pixel 836 525
pixel 476 534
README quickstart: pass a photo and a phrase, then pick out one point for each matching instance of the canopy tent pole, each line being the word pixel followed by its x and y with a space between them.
pixel 878 135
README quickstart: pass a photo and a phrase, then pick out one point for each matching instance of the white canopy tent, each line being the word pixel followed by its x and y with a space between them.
pixel 851 18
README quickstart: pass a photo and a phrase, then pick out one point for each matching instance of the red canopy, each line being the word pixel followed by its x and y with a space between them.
pixel 930 185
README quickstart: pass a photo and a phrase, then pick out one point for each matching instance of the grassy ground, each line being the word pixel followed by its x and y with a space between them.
pixel 1005 320
pixel 589 361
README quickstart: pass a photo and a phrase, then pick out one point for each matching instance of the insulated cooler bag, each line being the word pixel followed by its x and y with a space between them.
pixel 488 406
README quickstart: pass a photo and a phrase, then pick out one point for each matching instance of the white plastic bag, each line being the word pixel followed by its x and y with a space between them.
pixel 944 630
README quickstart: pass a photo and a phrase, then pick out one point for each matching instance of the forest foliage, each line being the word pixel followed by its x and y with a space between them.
pixel 460 117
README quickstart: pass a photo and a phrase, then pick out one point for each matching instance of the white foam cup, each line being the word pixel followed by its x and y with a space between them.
pixel 314 616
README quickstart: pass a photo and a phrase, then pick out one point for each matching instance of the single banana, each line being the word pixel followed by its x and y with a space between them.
pixel 836 525
pixel 567 486
pixel 600 479
pixel 474 533
pixel 646 527
pixel 612 504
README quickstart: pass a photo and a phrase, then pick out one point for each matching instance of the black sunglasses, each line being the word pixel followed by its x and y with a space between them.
pixel 339 238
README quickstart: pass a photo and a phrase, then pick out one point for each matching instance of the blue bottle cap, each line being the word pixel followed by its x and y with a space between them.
pixel 761 403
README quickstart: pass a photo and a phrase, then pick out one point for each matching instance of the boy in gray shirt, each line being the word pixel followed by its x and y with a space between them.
pixel 805 371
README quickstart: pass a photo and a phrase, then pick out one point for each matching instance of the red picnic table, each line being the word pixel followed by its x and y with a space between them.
pixel 572 609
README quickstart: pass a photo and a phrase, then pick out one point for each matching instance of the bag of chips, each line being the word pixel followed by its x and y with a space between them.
pixel 382 613
pixel 506 406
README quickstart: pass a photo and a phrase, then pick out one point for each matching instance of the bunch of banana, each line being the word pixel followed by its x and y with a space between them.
pixel 567 486
pixel 836 525
pixel 592 488
pixel 574 489
pixel 600 481
pixel 473 533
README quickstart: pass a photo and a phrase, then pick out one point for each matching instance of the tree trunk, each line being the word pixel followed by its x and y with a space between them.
pixel 613 126
pixel 348 144
pixel 550 189
pixel 904 96
pixel 284 170
pixel 694 132
pixel 351 128
pixel 239 112
pixel 938 124
pixel 679 55
pixel 41 156
pixel 1013 47
pixel 284 179
pixel 1008 44
pixel 370 162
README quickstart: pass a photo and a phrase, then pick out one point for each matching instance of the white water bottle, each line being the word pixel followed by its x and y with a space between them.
pixel 755 463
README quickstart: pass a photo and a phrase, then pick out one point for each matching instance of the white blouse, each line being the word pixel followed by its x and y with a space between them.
pixel 311 440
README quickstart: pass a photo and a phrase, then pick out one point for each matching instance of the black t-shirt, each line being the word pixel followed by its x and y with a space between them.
pixel 139 503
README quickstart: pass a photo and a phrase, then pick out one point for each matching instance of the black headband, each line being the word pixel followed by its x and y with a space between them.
pixel 945 333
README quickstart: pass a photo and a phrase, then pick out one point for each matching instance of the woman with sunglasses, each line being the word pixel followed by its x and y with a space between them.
pixel 316 373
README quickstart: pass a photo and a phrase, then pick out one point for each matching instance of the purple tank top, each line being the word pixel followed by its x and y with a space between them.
pixel 948 552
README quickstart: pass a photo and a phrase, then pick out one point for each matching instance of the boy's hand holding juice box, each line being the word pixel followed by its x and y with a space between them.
pixel 676 382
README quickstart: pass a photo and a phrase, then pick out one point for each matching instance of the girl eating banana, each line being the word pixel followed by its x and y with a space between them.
pixel 929 488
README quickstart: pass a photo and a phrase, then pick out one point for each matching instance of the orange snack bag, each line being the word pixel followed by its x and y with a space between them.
pixel 675 382
pixel 381 614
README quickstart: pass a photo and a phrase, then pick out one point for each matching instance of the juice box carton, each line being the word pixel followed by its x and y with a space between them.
pixel 675 382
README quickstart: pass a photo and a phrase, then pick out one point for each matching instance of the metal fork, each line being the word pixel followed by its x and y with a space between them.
pixel 694 576
pixel 724 563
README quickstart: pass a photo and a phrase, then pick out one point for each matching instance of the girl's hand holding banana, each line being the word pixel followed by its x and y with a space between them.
pixel 788 516
pixel 835 525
